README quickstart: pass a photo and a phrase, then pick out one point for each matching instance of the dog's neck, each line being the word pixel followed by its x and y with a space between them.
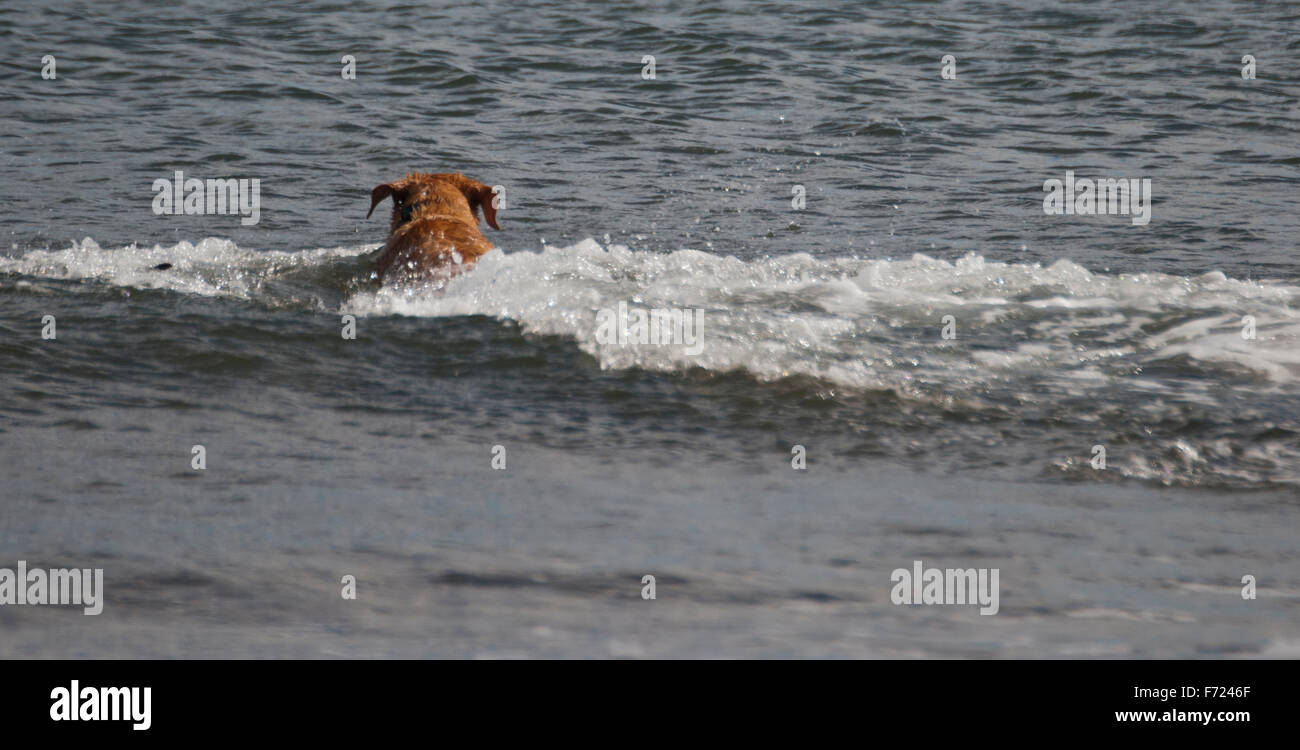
pixel 408 212
pixel 425 206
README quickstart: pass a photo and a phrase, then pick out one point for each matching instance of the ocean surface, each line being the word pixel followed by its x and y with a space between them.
pixel 823 327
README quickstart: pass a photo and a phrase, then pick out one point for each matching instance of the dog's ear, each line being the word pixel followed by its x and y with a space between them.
pixel 378 194
pixel 485 196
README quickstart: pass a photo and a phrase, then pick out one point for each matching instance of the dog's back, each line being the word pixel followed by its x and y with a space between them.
pixel 434 227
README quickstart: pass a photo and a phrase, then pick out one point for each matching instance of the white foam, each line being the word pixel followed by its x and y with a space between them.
pixel 798 314
pixel 858 322
pixel 211 268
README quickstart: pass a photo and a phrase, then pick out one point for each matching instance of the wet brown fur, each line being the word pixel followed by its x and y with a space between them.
pixel 440 234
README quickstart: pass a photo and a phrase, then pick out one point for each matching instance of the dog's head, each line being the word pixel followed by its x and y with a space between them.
pixel 444 194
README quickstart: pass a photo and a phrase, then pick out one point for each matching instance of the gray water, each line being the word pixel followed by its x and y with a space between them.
pixel 822 328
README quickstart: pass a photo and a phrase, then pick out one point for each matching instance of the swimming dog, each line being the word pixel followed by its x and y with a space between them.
pixel 434 229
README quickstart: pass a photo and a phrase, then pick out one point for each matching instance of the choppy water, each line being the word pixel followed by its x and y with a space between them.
pixel 822 327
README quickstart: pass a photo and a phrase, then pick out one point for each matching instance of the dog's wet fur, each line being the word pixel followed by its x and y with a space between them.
pixel 434 229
